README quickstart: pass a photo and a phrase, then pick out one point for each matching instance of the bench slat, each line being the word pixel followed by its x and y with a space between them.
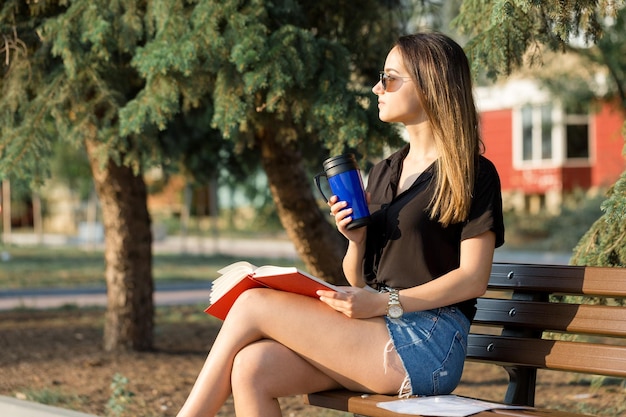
pixel 582 357
pixel 565 279
pixel 588 319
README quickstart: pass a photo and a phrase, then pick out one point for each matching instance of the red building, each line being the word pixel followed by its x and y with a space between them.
pixel 543 150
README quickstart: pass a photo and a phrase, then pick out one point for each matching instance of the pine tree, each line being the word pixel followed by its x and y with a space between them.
pixel 67 75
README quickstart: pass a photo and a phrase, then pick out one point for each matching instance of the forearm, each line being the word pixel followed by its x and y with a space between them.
pixel 353 264
pixel 454 287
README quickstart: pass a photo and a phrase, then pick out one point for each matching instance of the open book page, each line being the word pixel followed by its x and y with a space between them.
pixel 443 406
pixel 231 275
pixel 240 265
pixel 267 270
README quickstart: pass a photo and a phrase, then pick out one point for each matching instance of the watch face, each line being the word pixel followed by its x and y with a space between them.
pixel 395 311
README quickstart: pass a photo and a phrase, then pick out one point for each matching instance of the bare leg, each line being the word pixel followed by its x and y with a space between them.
pixel 266 370
pixel 348 351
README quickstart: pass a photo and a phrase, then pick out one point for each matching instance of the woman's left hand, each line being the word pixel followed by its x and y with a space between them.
pixel 356 303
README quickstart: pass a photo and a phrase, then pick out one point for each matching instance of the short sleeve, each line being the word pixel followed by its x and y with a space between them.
pixel 486 209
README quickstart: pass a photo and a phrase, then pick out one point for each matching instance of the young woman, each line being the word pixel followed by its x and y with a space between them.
pixel 415 271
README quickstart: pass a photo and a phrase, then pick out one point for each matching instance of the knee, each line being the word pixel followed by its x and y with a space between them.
pixel 248 367
pixel 250 303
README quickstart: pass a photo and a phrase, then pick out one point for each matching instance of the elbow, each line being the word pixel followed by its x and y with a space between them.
pixel 479 291
pixel 479 287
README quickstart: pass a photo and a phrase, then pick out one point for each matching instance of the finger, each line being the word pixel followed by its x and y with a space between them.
pixel 337 207
pixel 343 217
pixel 329 294
pixel 335 305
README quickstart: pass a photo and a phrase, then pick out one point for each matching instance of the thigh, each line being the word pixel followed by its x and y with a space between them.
pixel 350 351
pixel 276 370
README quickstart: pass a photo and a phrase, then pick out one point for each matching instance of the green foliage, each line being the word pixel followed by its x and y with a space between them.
pixel 615 205
pixel 66 84
pixel 604 243
pixel 120 397
pixel 262 65
pixel 505 33
pixel 54 397
pixel 612 53
pixel 188 85
pixel 70 165
pixel 579 86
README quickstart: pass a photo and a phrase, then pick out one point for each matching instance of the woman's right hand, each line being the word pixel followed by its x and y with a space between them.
pixel 343 216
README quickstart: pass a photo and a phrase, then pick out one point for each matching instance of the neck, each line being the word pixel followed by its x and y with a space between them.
pixel 422 153
pixel 421 143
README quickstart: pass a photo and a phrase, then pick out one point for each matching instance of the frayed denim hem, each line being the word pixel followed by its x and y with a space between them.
pixel 405 388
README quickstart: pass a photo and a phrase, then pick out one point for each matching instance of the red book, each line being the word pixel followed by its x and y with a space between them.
pixel 240 276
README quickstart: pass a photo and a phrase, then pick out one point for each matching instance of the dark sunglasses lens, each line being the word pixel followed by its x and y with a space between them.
pixel 383 81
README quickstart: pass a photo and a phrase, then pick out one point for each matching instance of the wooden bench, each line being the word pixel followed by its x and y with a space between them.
pixel 533 317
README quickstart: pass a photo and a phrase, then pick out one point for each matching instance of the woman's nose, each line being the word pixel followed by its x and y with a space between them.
pixel 378 89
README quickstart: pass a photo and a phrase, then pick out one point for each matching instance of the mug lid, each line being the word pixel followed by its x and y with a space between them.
pixel 337 160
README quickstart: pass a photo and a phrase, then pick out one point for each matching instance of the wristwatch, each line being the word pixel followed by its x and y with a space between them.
pixel 394 308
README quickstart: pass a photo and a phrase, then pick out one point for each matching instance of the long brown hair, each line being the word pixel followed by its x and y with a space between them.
pixel 441 72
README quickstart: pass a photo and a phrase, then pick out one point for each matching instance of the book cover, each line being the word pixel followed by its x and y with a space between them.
pixel 241 276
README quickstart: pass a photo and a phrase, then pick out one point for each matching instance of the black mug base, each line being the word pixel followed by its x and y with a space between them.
pixel 355 224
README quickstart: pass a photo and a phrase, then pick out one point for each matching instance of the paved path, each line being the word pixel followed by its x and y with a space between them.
pixel 169 294
pixel 12 407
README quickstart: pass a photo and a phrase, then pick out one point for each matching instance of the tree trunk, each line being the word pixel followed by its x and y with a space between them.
pixel 317 242
pixel 128 254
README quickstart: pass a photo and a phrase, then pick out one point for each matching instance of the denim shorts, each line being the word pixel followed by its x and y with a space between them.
pixel 432 345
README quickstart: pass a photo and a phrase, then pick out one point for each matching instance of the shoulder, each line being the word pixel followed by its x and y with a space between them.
pixel 485 165
pixel 486 171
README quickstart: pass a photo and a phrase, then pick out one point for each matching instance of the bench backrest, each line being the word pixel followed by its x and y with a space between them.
pixel 567 318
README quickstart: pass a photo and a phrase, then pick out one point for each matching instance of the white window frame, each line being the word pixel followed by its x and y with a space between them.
pixel 560 120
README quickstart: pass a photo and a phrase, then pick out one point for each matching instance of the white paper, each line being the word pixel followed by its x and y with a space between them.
pixel 442 406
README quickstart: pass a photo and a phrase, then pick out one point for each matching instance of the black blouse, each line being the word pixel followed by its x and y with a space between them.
pixel 404 246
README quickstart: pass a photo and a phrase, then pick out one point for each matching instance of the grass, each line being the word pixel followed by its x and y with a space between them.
pixel 52 397
pixel 58 267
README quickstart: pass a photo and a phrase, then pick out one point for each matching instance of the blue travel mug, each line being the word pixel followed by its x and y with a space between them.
pixel 344 178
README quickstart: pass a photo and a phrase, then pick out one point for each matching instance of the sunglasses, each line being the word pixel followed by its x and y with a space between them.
pixel 385 78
